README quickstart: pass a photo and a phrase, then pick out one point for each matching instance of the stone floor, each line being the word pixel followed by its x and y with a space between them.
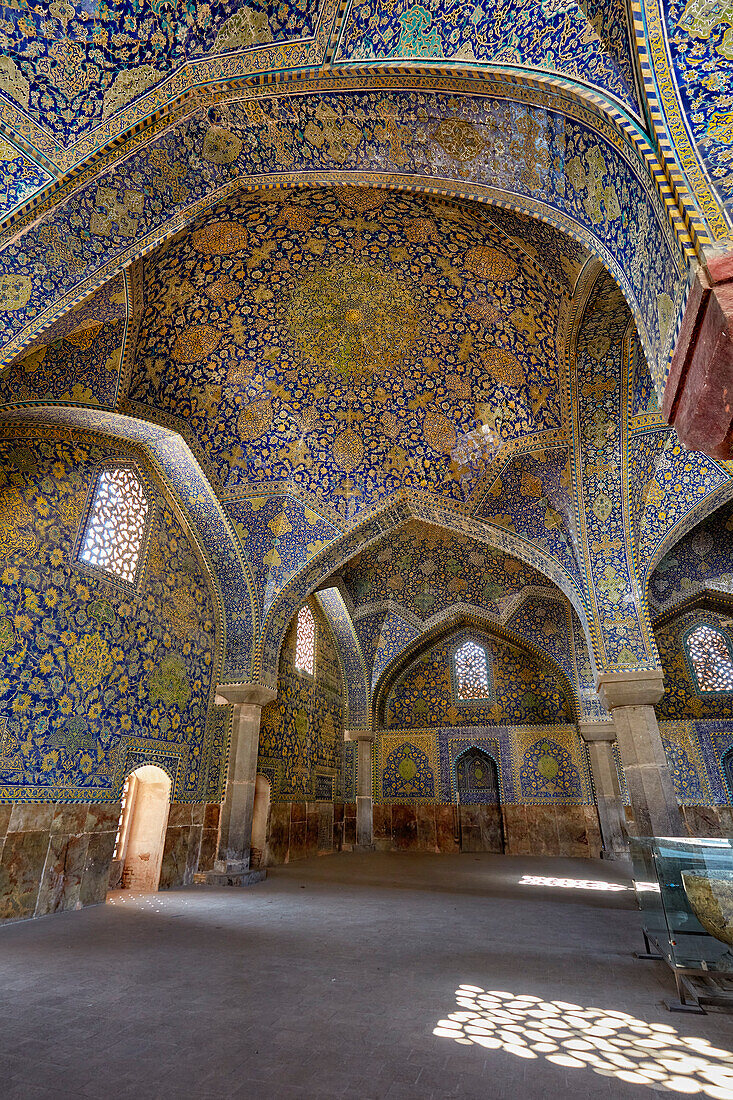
pixel 339 976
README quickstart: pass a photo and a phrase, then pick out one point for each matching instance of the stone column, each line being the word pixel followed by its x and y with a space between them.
pixel 232 865
pixel 364 799
pixel 630 697
pixel 599 738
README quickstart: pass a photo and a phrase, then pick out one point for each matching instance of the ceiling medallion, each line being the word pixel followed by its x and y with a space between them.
pixel 353 321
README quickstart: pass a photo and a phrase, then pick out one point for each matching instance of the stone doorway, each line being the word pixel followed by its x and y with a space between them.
pixel 140 838
pixel 480 824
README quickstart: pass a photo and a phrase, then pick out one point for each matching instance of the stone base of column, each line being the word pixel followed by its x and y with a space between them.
pixel 234 878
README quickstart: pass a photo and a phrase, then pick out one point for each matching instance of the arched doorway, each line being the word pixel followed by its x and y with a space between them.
pixel 481 828
pixel 260 814
pixel 140 839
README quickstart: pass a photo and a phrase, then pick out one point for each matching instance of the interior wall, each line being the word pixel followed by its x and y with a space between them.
pixel 96 678
pixel 301 752
pixel 546 794
pixel 523 692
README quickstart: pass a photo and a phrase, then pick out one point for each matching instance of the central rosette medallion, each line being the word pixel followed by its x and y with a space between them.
pixel 351 320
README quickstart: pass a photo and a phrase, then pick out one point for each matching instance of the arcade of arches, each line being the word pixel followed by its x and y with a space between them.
pixel 366 478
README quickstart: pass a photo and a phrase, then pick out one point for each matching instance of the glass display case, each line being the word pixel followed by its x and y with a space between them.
pixel 684 887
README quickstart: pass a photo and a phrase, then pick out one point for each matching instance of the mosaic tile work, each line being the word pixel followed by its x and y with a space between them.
pixel 566 166
pixel 710 741
pixel 681 697
pixel 601 428
pixel 564 39
pixel 281 534
pixel 96 676
pixel 302 731
pixel 686 766
pixel 183 477
pixel 78 358
pixel 394 634
pixel 700 560
pixel 643 396
pixel 533 496
pixel 681 489
pixel 355 674
pixel 348 771
pixel 22 178
pixel 547 772
pixel 428 570
pixel 347 344
pixel 524 693
pixel 536 765
pixel 70 67
pixel 690 50
pixel 407 771
pixel 546 623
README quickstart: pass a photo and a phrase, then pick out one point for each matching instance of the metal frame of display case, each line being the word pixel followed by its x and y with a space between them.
pixel 655 875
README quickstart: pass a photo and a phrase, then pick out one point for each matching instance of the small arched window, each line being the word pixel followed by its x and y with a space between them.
pixel 305 641
pixel 710 657
pixel 114 535
pixel 471 672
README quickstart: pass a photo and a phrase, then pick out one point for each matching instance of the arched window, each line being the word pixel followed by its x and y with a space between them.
pixel 115 531
pixel 710 657
pixel 305 641
pixel 471 672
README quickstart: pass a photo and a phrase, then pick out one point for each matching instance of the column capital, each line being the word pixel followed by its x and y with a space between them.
pixel 358 735
pixel 637 688
pixel 255 694
pixel 597 731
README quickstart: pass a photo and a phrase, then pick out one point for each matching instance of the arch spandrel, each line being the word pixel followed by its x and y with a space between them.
pixel 443 631
pixel 184 479
pixel 591 172
pixel 368 532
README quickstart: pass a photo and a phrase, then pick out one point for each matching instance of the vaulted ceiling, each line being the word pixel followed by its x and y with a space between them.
pixel 376 284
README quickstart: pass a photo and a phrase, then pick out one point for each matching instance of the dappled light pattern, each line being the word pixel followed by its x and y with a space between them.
pixel 571 883
pixel 610 1043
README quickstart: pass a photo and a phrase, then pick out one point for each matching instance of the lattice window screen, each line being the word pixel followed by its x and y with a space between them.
pixel 472 672
pixel 116 527
pixel 305 641
pixel 710 658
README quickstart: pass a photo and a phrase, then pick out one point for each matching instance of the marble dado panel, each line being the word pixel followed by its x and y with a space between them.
pixel 54 856
pixel 298 830
pixel 58 856
pixel 708 821
pixel 550 830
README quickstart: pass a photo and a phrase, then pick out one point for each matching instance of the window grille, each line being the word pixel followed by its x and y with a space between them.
pixel 115 530
pixel 305 641
pixel 471 672
pixel 709 653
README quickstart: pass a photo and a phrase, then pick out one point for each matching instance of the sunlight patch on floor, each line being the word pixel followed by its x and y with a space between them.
pixel 571 883
pixel 610 1043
